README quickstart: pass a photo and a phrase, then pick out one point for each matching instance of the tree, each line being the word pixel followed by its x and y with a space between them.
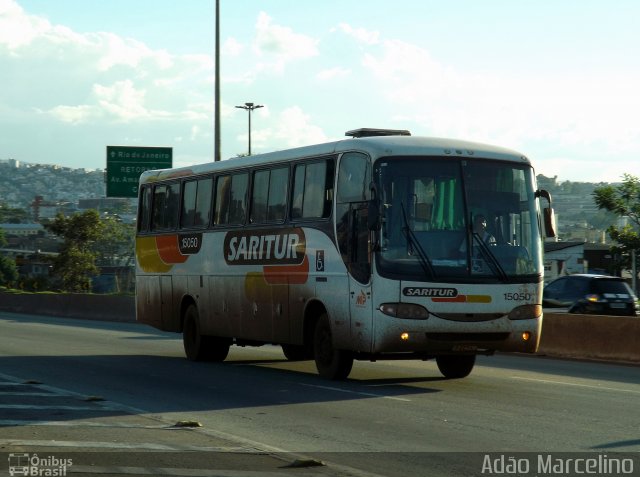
pixel 10 215
pixel 624 201
pixel 8 270
pixel 76 263
pixel 116 244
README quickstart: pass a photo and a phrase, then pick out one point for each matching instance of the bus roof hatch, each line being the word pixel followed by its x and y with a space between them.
pixel 368 132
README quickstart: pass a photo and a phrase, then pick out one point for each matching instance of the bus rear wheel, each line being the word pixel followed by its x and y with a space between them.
pixel 456 366
pixel 200 347
pixel 331 363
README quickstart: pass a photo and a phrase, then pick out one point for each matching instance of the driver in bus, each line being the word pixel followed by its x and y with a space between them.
pixel 480 228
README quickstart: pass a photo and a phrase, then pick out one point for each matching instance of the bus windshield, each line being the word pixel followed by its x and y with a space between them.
pixel 466 219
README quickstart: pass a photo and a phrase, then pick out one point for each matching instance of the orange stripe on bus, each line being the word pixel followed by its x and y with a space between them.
pixel 464 299
pixel 169 250
pixel 455 299
pixel 283 274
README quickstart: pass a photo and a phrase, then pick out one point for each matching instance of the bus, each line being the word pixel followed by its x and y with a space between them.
pixel 357 249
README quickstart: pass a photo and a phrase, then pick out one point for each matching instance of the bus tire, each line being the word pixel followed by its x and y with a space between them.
pixel 296 352
pixel 456 366
pixel 331 363
pixel 199 347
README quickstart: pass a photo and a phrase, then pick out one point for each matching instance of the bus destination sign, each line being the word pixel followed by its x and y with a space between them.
pixel 126 163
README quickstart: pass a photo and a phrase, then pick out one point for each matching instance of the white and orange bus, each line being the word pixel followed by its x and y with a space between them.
pixel 358 249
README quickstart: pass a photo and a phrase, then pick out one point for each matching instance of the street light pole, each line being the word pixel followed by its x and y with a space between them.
pixel 250 107
pixel 216 119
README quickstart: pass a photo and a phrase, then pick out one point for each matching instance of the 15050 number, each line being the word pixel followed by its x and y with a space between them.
pixel 190 242
pixel 522 296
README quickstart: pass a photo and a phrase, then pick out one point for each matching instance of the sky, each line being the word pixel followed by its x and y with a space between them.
pixel 557 80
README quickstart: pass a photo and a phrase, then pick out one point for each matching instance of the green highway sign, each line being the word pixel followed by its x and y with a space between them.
pixel 126 163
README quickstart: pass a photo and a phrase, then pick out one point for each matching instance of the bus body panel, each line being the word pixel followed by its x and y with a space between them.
pixel 261 302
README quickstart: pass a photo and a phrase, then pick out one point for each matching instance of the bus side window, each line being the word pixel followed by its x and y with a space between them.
pixel 172 206
pixel 166 205
pixel 354 178
pixel 277 203
pixel 231 199
pixel 144 209
pixel 159 199
pixel 196 203
pixel 312 190
pixel 189 192
pixel 269 195
pixel 203 202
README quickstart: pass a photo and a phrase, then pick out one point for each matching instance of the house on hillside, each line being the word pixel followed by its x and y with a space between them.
pixel 563 258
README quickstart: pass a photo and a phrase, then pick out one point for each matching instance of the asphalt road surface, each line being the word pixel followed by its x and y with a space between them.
pixel 121 399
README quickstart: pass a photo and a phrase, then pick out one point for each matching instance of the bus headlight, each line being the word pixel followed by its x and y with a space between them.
pixel 526 312
pixel 408 311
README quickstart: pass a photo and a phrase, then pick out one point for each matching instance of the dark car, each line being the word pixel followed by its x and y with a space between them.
pixel 591 294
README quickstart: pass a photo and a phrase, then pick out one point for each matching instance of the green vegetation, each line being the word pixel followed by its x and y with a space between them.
pixel 8 270
pixel 624 201
pixel 75 265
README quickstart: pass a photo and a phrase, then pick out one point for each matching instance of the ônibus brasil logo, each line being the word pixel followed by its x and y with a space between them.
pixel 32 465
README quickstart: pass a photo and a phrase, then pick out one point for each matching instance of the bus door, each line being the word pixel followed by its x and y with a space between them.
pixel 359 266
pixel 354 179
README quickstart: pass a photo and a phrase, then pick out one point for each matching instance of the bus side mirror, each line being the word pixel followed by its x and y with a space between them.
pixel 549 221
pixel 548 215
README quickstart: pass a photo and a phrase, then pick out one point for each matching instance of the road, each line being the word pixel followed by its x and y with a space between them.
pixel 86 386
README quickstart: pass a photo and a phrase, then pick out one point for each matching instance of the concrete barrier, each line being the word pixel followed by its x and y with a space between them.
pixel 70 305
pixel 609 338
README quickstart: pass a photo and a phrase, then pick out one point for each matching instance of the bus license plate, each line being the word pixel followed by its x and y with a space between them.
pixel 463 347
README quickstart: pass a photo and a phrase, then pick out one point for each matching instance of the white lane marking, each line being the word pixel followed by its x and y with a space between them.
pixel 34 394
pixel 123 425
pixel 359 393
pixel 564 383
pixel 120 445
pixel 59 408
pixel 170 471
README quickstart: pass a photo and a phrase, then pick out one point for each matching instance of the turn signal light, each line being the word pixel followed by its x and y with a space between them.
pixel 526 336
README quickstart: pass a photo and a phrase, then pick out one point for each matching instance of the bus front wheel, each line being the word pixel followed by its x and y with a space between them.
pixel 456 366
pixel 199 347
pixel 331 363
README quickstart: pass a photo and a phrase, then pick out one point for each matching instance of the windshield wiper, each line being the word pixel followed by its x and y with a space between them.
pixel 426 264
pixel 492 260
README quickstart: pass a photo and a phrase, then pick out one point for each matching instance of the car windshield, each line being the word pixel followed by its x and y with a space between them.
pixel 464 218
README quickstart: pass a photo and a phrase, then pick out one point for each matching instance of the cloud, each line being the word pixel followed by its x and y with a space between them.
pixel 295 128
pixel 280 45
pixel 16 28
pixel 517 109
pixel 74 114
pixel 362 35
pixel 333 73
